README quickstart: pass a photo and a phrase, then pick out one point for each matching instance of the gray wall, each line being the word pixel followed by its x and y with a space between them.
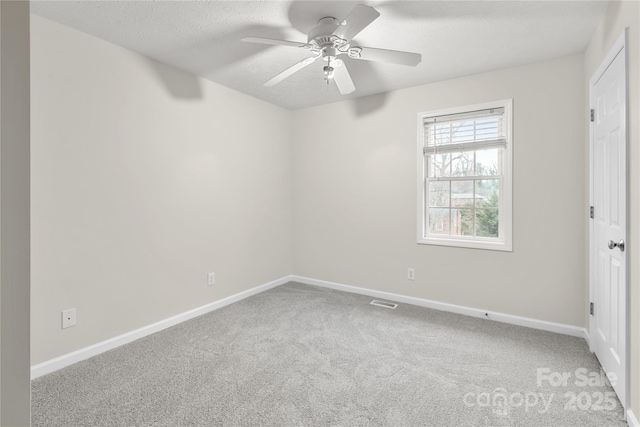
pixel 15 391
pixel 145 179
pixel 355 195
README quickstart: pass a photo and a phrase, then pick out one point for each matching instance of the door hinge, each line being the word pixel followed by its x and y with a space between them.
pixel 591 308
pixel 593 115
pixel 591 212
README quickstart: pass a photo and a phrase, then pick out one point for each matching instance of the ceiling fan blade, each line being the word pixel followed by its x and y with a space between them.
pixel 384 55
pixel 276 42
pixel 359 18
pixel 343 79
pixel 289 71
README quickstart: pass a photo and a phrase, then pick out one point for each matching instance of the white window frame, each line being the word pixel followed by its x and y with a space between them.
pixel 505 219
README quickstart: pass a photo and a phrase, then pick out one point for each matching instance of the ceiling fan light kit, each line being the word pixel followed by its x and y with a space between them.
pixel 330 39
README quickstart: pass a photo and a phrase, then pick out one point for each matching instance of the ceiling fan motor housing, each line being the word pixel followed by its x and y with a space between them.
pixel 329 53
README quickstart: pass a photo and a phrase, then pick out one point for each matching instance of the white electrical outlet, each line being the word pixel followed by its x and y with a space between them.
pixel 211 279
pixel 411 274
pixel 68 318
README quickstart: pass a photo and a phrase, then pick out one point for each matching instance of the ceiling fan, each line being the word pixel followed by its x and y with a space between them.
pixel 331 38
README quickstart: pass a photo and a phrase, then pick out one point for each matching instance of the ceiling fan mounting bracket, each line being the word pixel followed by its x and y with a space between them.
pixel 328 20
pixel 354 52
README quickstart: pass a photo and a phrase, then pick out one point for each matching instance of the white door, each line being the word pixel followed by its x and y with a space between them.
pixel 608 326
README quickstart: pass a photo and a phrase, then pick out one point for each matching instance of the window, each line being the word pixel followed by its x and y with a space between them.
pixel 465 176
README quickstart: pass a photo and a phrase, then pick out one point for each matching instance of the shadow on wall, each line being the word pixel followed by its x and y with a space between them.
pixel 179 84
pixel 369 104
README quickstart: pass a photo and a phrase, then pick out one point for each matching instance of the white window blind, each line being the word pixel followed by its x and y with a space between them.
pixel 474 130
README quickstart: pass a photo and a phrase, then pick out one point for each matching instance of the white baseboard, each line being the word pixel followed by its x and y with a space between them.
pixel 559 328
pixel 95 349
pixel 632 420
pixel 586 337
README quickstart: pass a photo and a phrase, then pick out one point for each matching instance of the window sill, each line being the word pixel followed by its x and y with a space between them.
pixel 468 244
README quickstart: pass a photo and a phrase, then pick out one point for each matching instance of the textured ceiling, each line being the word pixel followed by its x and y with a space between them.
pixel 455 38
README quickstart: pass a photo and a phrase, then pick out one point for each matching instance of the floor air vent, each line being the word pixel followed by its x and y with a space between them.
pixel 383 304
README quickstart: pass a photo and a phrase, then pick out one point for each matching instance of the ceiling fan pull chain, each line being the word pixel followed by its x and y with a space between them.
pixel 328 70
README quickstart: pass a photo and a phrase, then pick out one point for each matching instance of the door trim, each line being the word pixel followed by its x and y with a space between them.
pixel 620 45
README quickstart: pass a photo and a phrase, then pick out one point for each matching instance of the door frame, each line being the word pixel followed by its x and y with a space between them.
pixel 620 45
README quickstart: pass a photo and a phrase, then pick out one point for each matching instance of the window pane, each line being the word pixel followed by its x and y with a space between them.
pixel 487 193
pixel 487 223
pixel 487 162
pixel 462 222
pixel 439 194
pixel 440 165
pixel 462 163
pixel 462 193
pixel 439 221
